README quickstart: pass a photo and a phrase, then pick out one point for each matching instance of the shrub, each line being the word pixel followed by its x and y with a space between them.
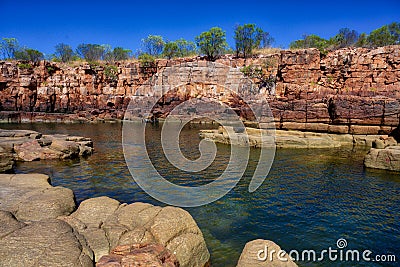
pixel 146 60
pixel 111 73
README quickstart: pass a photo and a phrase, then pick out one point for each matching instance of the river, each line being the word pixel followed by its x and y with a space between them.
pixel 310 199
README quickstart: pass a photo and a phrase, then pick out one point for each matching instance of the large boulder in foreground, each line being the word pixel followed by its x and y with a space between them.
pixel 38 228
pixel 153 255
pixel 106 224
pixel 44 243
pixel 30 197
pixel 256 253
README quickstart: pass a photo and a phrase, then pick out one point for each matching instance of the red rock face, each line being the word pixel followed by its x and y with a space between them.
pixel 351 86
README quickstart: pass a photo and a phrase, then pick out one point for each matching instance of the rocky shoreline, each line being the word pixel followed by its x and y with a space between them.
pixel 384 150
pixel 41 226
pixel 27 145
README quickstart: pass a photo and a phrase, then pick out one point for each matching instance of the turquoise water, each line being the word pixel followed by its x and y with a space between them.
pixel 310 199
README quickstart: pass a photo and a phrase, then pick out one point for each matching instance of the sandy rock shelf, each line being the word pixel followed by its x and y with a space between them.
pixel 26 145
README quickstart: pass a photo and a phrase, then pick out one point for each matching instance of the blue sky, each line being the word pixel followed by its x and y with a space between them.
pixel 43 24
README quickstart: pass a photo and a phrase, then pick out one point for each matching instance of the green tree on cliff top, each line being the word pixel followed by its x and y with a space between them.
pixel 344 38
pixel 153 45
pixel 247 38
pixel 311 41
pixel 64 52
pixel 179 48
pixel 212 43
pixel 385 35
pixel 91 52
pixel 28 54
pixel 8 46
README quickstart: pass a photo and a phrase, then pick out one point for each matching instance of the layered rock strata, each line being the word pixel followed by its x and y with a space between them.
pixel 351 87
pixel 27 145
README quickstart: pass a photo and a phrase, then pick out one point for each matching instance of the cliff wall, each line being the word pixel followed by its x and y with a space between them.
pixel 349 90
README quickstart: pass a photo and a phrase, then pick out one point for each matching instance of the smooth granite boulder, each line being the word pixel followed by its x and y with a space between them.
pixel 30 197
pixel 255 251
pixel 105 223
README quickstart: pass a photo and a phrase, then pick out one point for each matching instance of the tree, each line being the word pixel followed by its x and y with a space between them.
pixel 117 54
pixel 212 43
pixel 385 35
pixel 146 60
pixel 345 38
pixel 153 45
pixel 247 38
pixel 179 48
pixel 90 52
pixel 28 54
pixel 121 53
pixel 186 48
pixel 266 40
pixel 64 52
pixel 8 46
pixel 171 50
pixel 311 41
pixel 362 40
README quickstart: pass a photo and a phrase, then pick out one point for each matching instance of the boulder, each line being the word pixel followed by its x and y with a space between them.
pixel 105 223
pixel 30 197
pixel 31 145
pixel 69 149
pixel 256 253
pixel 44 243
pixel 387 158
pixel 154 255
pixel 28 151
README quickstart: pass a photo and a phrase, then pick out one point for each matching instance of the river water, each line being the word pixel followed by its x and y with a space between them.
pixel 310 199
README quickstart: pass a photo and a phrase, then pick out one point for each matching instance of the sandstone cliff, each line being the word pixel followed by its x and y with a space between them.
pixel 352 90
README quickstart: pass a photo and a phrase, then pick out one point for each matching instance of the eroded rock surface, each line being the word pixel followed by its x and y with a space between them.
pixel 257 253
pixel 30 197
pixel 39 227
pixel 42 243
pixel 349 87
pixel 286 139
pixel 154 255
pixel 105 223
pixel 26 145
pixel 385 154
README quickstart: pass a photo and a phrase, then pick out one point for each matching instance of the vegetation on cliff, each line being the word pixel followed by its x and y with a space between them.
pixel 212 43
pixel 383 36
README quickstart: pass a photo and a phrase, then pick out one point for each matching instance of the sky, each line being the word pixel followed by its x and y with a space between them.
pixel 43 24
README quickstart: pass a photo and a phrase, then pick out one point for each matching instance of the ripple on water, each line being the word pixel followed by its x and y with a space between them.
pixel 309 200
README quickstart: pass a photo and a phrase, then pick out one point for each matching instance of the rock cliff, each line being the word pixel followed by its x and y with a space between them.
pixel 357 89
